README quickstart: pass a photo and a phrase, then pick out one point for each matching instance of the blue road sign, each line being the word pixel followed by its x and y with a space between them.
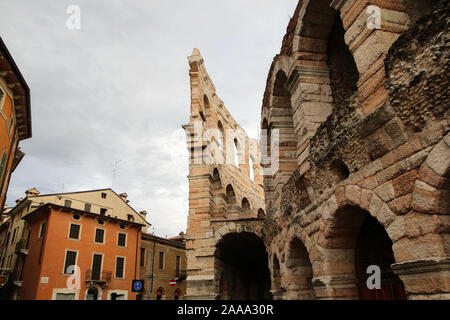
pixel 138 285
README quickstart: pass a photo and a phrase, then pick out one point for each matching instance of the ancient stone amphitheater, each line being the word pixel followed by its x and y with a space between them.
pixel 356 111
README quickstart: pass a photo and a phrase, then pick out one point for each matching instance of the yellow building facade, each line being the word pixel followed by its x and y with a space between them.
pixel 163 262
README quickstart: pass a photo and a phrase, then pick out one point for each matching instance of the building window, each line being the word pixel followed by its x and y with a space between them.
pixel 120 264
pixel 103 211
pixel 122 226
pixel 96 267
pixel 122 240
pixel 101 222
pixel 67 203
pixel 14 235
pixel 65 296
pixel 42 231
pixel 130 218
pixel 74 232
pixel 99 235
pixel 71 259
pixel 159 294
pixel 87 207
pixel 103 195
pixel 142 257
pixel 161 260
pixel 76 217
pixel 178 266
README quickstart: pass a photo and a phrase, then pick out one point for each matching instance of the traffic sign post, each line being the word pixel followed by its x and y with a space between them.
pixel 137 286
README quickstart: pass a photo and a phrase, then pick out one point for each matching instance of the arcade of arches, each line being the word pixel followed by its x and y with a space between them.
pixel 362 119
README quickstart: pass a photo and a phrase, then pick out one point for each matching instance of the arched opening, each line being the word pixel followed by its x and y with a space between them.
pixel 177 294
pixel 374 247
pixel 261 214
pixel 217 184
pixel 276 279
pixel 92 294
pixel 236 153
pixel 299 268
pixel 230 195
pixel 251 169
pixel 265 138
pixel 202 116
pixel 344 74
pixel 206 102
pixel 242 266
pixel 358 240
pixel 340 170
pixel 159 294
pixel 221 140
pixel 245 206
pixel 282 120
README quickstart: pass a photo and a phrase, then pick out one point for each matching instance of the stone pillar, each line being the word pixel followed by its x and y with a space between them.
pixel 312 102
pixel 336 287
pixel 425 278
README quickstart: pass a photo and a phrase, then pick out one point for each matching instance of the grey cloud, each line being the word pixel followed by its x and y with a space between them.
pixel 118 89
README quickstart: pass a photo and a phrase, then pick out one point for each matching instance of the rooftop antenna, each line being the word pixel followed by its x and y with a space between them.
pixel 116 167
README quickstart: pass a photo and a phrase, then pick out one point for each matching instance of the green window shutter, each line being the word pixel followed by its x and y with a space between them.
pixel 2 164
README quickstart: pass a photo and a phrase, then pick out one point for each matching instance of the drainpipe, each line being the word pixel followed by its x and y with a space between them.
pixel 136 258
pixel 153 263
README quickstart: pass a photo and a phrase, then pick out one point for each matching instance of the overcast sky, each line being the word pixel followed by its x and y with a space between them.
pixel 118 90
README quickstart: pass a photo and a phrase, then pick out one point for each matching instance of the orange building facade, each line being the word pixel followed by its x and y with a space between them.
pixel 104 250
pixel 15 118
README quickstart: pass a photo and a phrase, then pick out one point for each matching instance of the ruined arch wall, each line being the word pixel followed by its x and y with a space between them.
pixel 212 213
pixel 387 147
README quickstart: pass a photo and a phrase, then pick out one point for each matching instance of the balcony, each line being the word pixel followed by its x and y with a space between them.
pixel 100 278
pixel 22 247
pixel 180 275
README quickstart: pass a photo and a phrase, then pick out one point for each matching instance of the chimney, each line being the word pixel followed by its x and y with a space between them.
pixel 143 214
pixel 19 200
pixel 32 192
pixel 124 197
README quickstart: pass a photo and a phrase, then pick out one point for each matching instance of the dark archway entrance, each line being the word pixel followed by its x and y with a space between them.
pixel 374 247
pixel 242 266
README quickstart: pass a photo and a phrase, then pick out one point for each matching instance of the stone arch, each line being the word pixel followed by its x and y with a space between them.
pixel 299 271
pixel 93 292
pixel 221 139
pixel 241 265
pixel 343 218
pixel 237 148
pixel 276 289
pixel 216 180
pixel 345 263
pixel 246 208
pixel 206 102
pixel 230 195
pixel 281 116
pixel 261 214
pixel 431 192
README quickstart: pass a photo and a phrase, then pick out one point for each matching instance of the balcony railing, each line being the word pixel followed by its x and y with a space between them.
pixel 22 246
pixel 98 277
pixel 180 274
